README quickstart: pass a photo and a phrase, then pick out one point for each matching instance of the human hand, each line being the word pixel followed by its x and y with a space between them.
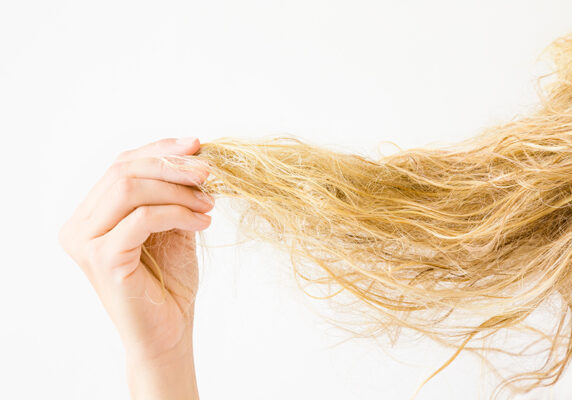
pixel 138 195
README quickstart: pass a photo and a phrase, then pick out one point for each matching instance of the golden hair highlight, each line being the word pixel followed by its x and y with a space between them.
pixel 456 243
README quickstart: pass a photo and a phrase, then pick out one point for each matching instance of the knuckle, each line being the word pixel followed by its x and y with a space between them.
pixel 142 213
pixel 117 169
pixel 94 255
pixel 124 155
pixel 124 187
pixel 82 252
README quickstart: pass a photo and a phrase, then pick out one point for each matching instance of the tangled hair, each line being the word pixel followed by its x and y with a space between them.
pixel 456 243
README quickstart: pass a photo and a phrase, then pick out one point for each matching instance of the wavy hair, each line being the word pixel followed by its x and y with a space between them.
pixel 456 243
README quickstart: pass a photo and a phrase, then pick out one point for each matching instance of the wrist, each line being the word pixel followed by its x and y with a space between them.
pixel 162 345
pixel 170 375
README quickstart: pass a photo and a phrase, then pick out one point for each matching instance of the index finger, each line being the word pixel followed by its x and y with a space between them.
pixel 173 146
pixel 182 146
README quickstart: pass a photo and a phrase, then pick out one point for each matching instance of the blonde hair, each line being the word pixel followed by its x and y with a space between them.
pixel 456 243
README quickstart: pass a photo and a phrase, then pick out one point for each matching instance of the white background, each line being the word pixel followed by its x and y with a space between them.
pixel 81 81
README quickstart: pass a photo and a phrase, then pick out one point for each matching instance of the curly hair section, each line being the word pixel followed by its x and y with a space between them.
pixel 456 243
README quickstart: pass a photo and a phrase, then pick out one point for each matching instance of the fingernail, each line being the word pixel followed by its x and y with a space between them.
pixel 186 141
pixel 203 217
pixel 205 198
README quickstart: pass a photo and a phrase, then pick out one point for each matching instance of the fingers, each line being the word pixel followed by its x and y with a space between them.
pixel 127 194
pixel 180 146
pixel 132 231
pixel 127 181
pixel 171 146
pixel 148 168
pixel 155 168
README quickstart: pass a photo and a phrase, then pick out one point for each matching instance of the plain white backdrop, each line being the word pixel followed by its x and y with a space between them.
pixel 82 81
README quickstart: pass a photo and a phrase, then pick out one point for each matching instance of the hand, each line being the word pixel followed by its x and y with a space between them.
pixel 138 195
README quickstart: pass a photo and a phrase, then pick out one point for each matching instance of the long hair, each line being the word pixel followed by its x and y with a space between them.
pixel 457 243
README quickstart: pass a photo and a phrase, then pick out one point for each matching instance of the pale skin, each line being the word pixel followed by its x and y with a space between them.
pixel 139 195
